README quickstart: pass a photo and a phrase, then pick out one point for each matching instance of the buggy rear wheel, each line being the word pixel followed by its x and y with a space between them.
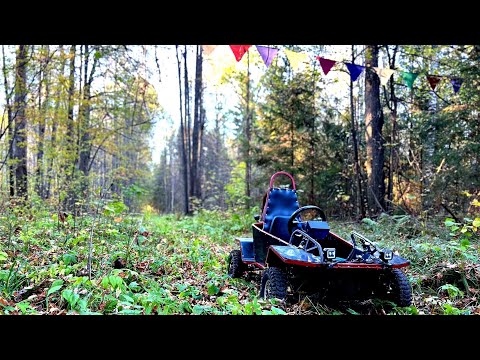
pixel 397 288
pixel 274 284
pixel 236 267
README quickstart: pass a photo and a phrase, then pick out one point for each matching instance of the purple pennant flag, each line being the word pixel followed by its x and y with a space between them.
pixel 456 83
pixel 355 70
pixel 267 54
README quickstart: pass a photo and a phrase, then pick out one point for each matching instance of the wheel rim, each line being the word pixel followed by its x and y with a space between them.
pixel 267 289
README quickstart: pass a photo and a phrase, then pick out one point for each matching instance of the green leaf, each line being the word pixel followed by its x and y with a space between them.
pixel 412 310
pixel 105 282
pixel 134 286
pixel 23 306
pixel 56 285
pixel 71 297
pixel 464 242
pixel 213 290
pixel 476 222
pixel 130 312
pixel 475 202
pixel 127 299
pixel 353 312
pixel 277 311
pixel 3 256
pixel 69 259
pixel 197 310
pixel 98 54
pixel 115 281
pixel 449 222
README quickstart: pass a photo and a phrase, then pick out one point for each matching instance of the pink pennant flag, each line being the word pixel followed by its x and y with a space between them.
pixel 239 50
pixel 208 49
pixel 267 54
pixel 433 80
pixel 326 64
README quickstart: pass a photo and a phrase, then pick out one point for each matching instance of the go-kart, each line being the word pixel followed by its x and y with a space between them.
pixel 297 252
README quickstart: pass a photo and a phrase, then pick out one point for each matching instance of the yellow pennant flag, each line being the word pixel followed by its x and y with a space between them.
pixel 296 59
pixel 384 74
pixel 208 49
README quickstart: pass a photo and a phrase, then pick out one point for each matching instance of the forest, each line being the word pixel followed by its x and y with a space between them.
pixel 128 171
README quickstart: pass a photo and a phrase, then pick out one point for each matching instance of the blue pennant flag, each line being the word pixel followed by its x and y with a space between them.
pixel 355 70
pixel 456 83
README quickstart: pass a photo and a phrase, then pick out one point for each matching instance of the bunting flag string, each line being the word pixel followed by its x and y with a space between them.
pixel 326 64
pixel 267 54
pixel 239 51
pixel 384 74
pixel 433 80
pixel 355 70
pixel 298 60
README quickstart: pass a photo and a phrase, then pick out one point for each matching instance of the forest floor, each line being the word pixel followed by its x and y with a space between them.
pixel 150 264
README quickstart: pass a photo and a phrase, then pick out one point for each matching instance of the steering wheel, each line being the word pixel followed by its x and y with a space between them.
pixel 366 244
pixel 307 243
pixel 295 218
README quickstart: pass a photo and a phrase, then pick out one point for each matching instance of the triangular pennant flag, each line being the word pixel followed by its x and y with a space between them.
pixel 267 54
pixel 384 74
pixel 408 77
pixel 326 64
pixel 355 70
pixel 208 49
pixel 239 50
pixel 296 59
pixel 456 83
pixel 433 80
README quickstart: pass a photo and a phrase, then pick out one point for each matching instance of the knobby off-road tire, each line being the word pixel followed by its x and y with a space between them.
pixel 274 284
pixel 236 267
pixel 400 288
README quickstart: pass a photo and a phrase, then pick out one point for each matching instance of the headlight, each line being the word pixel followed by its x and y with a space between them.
pixel 387 255
pixel 330 253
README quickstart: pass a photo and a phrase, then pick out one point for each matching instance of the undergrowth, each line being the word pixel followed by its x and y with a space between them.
pixel 150 264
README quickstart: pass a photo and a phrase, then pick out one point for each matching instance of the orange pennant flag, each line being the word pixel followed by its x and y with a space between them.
pixel 208 49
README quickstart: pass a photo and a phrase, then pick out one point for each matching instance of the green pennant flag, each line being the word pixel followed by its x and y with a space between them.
pixel 408 77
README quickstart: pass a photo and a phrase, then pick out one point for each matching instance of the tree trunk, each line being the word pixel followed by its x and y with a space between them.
pixel 187 124
pixel 85 143
pixel 182 139
pixel 54 125
pixel 373 135
pixel 195 181
pixel 20 136
pixel 71 148
pixel 393 160
pixel 248 136
pixel 359 193
pixel 8 100
pixel 42 110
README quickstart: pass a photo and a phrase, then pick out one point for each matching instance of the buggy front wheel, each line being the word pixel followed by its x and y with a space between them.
pixel 236 267
pixel 397 288
pixel 274 284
